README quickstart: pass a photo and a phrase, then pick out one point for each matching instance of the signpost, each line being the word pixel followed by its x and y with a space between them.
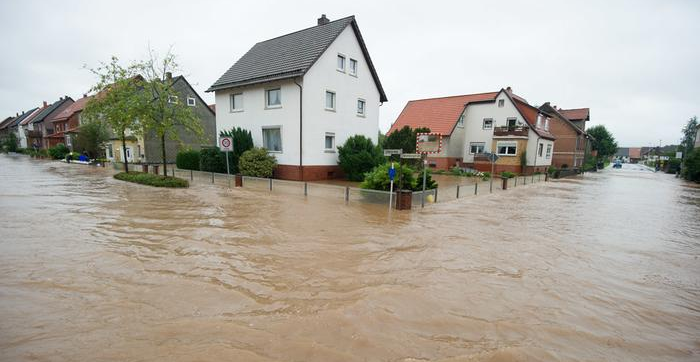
pixel 391 152
pixel 392 174
pixel 411 155
pixel 493 158
pixel 226 145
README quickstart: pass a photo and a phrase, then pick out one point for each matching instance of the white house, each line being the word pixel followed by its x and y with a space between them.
pixel 301 95
pixel 497 122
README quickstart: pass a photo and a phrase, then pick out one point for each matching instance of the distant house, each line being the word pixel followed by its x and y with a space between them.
pixel 13 126
pixel 623 154
pixel 66 123
pixel 572 140
pixel 496 122
pixel 303 94
pixel 40 126
pixel 147 148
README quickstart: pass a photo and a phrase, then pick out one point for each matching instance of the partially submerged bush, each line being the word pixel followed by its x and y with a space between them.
pixel 486 175
pixel 257 162
pixel 378 179
pixel 507 174
pixel 358 156
pixel 187 160
pixel 59 152
pixel 151 179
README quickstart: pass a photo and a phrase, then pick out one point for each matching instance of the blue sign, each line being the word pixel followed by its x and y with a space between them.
pixel 392 173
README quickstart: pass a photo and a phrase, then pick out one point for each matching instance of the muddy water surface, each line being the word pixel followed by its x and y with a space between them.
pixel 603 268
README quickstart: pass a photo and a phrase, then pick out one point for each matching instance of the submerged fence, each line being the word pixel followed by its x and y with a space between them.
pixel 348 194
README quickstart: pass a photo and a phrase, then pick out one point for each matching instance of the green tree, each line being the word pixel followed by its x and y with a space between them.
pixel 59 151
pixel 404 138
pixel 91 138
pixel 689 134
pixel 358 156
pixel 118 101
pixel 165 114
pixel 9 143
pixel 603 142
pixel 242 141
pixel 691 166
pixel 257 162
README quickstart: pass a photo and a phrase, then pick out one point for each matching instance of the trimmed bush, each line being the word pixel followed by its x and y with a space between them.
pixel 257 162
pixel 507 174
pixel 486 175
pixel 59 152
pixel 212 160
pixel 358 156
pixel 151 179
pixel 188 160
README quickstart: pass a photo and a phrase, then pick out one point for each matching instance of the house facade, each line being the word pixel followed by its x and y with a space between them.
pixel 146 148
pixel 303 94
pixel 66 123
pixel 40 126
pixel 471 125
pixel 572 140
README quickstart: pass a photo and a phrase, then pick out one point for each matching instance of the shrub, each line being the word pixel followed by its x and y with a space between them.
pixel 456 171
pixel 378 179
pixel 9 144
pixel 257 162
pixel 151 179
pixel 551 170
pixel 242 141
pixel 212 160
pixel 507 174
pixel 691 166
pixel 358 156
pixel 564 166
pixel 673 165
pixel 188 160
pixel 59 151
pixel 404 138
pixel 486 175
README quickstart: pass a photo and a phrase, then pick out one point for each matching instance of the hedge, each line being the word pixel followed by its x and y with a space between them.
pixel 151 179
pixel 257 162
pixel 188 160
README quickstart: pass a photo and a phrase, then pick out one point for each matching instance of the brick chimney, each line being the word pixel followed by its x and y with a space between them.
pixel 84 95
pixel 323 20
pixel 509 90
pixel 45 104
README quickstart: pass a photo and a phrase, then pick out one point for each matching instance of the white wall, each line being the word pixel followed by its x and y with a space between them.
pixel 255 116
pixel 473 123
pixel 532 158
pixel 344 121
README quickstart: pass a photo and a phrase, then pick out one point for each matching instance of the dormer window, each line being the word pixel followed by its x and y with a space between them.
pixel 341 63
pixel 546 124
pixel 501 103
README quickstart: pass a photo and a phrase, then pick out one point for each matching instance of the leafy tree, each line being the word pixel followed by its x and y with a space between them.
pixel 257 162
pixel 691 166
pixel 164 113
pixel 242 141
pixel 59 151
pixel 404 138
pixel 381 138
pixel 10 142
pixel 689 134
pixel 603 142
pixel 358 156
pixel 118 100
pixel 91 138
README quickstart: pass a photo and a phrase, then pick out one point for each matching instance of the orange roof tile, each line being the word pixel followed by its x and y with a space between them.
pixel 438 114
pixel 77 106
pixel 575 114
pixel 530 114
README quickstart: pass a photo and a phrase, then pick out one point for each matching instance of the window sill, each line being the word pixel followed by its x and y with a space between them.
pixel 330 109
pixel 329 151
pixel 340 70
pixel 268 151
pixel 353 75
pixel 504 155
pixel 236 111
pixel 273 107
pixel 361 115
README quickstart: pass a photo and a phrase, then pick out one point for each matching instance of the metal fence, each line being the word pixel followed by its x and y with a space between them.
pixel 472 187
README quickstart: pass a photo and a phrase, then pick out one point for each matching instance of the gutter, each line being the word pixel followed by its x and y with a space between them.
pixel 301 129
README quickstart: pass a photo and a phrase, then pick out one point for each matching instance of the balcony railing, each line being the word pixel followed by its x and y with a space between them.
pixel 520 131
pixel 33 133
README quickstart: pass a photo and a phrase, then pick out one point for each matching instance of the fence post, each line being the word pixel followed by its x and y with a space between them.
pixel 191 175
pixel 422 199
pixel 347 194
pixel 458 191
pixel 270 184
pixel 476 187
pixel 436 195
pixel 212 177
pixel 516 181
pixel 306 189
pixel 173 172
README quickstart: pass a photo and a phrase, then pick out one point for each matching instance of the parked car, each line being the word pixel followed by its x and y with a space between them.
pixel 617 164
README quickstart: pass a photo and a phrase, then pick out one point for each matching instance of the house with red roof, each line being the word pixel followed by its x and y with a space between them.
pixel 471 125
pixel 572 139
pixel 66 123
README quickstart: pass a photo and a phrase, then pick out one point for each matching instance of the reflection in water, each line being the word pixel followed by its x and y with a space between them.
pixel 599 268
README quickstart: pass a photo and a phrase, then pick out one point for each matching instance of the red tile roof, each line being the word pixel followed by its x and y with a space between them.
pixel 438 114
pixel 31 116
pixel 530 114
pixel 575 114
pixel 635 152
pixel 77 106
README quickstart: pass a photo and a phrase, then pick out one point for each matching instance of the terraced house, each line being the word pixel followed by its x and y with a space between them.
pixel 572 139
pixel 302 94
pixel 470 125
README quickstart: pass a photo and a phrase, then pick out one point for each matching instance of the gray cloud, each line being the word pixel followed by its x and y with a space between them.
pixel 632 62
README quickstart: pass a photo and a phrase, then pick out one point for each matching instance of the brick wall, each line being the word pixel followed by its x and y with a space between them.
pixel 307 173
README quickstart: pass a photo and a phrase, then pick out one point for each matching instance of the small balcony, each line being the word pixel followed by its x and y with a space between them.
pixel 510 131
pixel 33 133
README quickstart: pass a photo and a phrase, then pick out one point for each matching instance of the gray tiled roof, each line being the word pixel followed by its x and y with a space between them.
pixel 289 56
pixel 21 118
pixel 48 110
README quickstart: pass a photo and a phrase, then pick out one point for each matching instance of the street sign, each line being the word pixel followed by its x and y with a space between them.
pixel 411 155
pixel 679 154
pixel 226 144
pixel 491 156
pixel 428 143
pixel 392 173
pixel 389 152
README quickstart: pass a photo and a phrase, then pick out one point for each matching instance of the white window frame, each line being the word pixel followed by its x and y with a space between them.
pixel 514 119
pixel 540 149
pixel 460 121
pixel 476 144
pixel 501 103
pixel 345 61
pixel 546 124
pixel 549 153
pixel 507 144
pixel 364 107
pixel 483 123
pixel 193 102
pixel 232 102
pixel 172 99
pixel 334 99
pixel 352 70
pixel 264 128
pixel 267 98
pixel 326 149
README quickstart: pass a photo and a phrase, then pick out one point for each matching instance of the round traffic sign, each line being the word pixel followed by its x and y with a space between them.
pixel 226 142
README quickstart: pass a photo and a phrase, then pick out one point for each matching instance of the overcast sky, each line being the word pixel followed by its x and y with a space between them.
pixel 634 63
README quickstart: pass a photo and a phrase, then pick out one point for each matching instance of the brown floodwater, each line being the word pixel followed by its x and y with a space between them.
pixel 599 268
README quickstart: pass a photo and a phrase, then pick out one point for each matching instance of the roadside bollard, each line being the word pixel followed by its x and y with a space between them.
pixel 238 180
pixel 476 187
pixel 516 181
pixel 505 183
pixel 457 191
pixel 306 189
pixel 347 194
pixel 191 175
pixel 270 184
pixel 212 177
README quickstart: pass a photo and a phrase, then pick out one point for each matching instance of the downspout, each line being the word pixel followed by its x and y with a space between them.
pixel 537 151
pixel 301 130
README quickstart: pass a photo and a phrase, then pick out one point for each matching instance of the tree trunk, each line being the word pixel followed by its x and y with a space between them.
pixel 126 160
pixel 162 146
